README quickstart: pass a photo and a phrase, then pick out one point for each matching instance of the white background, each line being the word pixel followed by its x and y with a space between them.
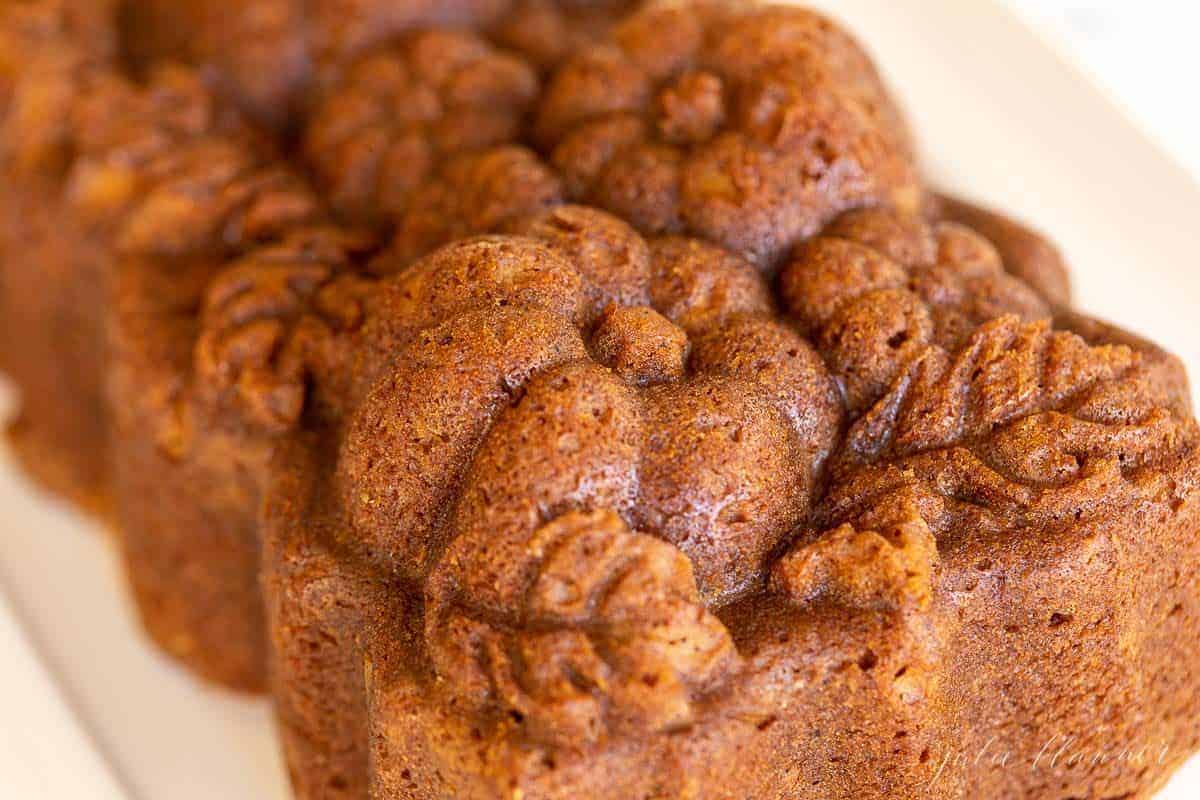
pixel 1146 55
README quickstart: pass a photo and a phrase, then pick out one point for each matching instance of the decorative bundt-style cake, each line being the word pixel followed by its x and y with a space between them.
pixel 620 521
pixel 134 193
pixel 616 415
pixel 128 197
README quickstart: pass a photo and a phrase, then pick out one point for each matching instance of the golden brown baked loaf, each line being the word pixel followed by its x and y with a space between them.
pixel 136 193
pixel 630 424
pixel 128 196
pixel 621 521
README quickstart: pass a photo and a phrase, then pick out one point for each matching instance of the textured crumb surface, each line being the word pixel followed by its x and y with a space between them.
pixel 642 517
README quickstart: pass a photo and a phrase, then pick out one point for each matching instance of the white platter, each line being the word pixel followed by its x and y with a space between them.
pixel 91 711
